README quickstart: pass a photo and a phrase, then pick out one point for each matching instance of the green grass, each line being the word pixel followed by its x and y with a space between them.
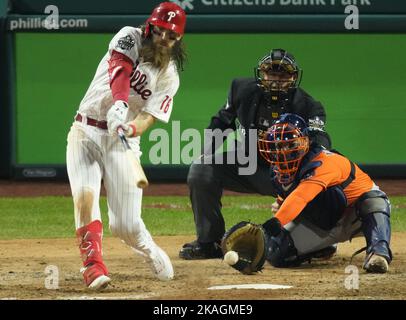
pixel 52 217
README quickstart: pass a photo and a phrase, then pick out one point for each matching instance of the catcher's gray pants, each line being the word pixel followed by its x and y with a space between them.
pixel 307 237
pixel 206 184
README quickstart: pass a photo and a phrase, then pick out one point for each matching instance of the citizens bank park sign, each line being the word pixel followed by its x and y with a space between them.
pixel 290 6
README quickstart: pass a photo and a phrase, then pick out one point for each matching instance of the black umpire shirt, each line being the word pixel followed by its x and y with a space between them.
pixel 248 108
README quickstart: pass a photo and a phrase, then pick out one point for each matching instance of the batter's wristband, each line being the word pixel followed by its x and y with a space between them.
pixel 134 130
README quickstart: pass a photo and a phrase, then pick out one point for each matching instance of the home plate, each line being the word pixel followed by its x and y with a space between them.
pixel 258 286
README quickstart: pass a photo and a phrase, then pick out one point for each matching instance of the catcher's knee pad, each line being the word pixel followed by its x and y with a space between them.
pixel 282 252
pixel 375 201
pixel 373 209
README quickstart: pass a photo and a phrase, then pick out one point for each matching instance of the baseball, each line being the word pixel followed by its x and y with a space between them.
pixel 231 258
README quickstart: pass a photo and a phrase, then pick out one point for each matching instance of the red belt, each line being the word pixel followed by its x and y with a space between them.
pixel 92 122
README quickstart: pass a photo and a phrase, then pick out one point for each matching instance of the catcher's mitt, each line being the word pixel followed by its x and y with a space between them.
pixel 249 241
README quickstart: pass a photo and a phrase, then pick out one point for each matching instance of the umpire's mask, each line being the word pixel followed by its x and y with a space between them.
pixel 278 75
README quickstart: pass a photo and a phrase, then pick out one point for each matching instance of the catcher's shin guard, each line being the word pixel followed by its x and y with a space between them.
pixel 282 252
pixel 90 245
pixel 373 208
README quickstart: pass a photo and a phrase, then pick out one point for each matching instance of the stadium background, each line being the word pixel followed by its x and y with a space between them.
pixel 357 74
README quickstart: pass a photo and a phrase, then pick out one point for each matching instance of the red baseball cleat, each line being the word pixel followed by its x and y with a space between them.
pixel 95 276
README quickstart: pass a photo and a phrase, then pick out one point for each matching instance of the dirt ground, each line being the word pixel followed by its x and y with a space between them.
pixel 25 266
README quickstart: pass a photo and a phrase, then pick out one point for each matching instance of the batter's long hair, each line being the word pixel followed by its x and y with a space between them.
pixel 160 57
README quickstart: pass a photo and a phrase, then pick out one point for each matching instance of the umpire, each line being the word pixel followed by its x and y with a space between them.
pixel 253 103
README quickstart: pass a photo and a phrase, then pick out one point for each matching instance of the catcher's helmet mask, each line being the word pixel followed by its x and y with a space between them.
pixel 278 75
pixel 284 145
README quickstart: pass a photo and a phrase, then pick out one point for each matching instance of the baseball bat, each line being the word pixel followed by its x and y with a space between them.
pixel 140 178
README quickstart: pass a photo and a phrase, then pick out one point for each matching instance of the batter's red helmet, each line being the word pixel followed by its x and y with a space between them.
pixel 167 15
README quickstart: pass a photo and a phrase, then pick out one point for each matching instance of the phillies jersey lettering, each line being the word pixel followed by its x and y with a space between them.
pixel 138 82
pixel 166 104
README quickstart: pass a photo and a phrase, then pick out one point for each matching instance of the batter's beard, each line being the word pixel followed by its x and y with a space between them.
pixel 159 56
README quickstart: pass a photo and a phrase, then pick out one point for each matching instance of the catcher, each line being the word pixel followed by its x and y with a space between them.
pixel 324 199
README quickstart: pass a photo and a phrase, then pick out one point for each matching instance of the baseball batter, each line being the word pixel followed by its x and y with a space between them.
pixel 134 85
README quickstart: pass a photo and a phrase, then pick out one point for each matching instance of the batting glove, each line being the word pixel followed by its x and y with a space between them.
pixel 129 129
pixel 117 116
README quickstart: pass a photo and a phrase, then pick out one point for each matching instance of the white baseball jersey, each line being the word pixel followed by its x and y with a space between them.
pixel 94 156
pixel 152 90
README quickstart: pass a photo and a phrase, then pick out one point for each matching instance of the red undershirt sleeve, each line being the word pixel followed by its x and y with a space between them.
pixel 120 68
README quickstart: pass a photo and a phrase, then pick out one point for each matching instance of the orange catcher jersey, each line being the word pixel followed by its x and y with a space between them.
pixel 334 170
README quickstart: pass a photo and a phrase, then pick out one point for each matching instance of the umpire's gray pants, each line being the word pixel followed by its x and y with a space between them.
pixel 206 184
